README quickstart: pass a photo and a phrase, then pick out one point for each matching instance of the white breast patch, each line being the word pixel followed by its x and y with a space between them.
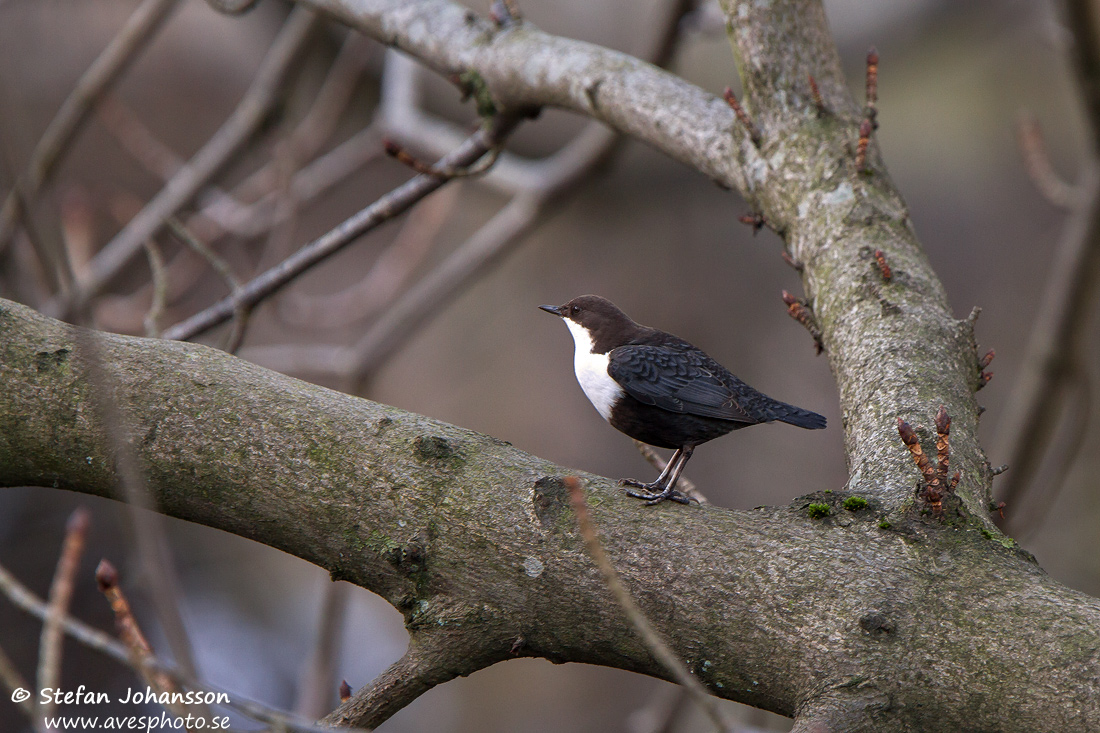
pixel 591 369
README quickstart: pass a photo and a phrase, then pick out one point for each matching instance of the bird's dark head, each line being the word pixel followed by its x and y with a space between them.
pixel 600 319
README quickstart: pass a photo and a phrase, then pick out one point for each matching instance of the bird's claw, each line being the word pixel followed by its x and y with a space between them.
pixel 654 493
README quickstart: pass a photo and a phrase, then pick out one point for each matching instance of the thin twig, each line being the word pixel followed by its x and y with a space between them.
pixel 684 484
pixel 138 29
pixel 259 98
pixel 404 157
pixel 1059 333
pixel 319 672
pixel 241 313
pixel 1037 161
pixel 1055 345
pixel 392 204
pixel 653 641
pixel 12 681
pixel 199 247
pixel 90 637
pixel 61 593
pixel 149 532
pixel 383 281
pixel 160 289
pixel 1062 456
pixel 107 645
pixel 130 631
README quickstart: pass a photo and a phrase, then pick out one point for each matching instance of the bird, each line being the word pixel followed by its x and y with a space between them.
pixel 661 390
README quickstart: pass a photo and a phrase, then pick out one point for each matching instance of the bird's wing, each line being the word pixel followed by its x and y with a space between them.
pixel 677 380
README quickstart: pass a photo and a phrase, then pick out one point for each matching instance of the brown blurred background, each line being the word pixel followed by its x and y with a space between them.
pixel 657 238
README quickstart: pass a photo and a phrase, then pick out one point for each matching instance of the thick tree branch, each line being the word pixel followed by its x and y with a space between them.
pixel 522 66
pixel 895 349
pixel 474 542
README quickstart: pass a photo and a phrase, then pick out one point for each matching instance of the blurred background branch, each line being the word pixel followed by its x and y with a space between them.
pixel 1052 388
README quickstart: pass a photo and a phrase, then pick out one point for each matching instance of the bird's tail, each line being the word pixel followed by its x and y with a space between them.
pixel 797 416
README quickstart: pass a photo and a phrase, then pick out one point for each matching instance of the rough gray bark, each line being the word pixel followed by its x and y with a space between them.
pixel 886 618
pixel 922 625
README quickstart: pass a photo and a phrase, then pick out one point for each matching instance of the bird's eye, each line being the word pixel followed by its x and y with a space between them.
pixel 575 310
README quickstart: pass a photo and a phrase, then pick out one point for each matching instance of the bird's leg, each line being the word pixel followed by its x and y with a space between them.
pixel 665 485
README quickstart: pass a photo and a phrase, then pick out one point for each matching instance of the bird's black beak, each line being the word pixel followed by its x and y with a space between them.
pixel 555 309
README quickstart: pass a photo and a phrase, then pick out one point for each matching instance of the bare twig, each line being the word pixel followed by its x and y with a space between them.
pixel 653 641
pixel 871 112
pixel 683 484
pixel 138 29
pixel 130 632
pixel 800 310
pixel 477 168
pixel 213 155
pixel 936 485
pixel 90 637
pixel 160 289
pixel 384 280
pixel 149 532
pixel 319 673
pixel 107 645
pixel 1059 333
pixel 742 116
pixel 199 247
pixel 866 127
pixel 61 593
pixel 12 681
pixel 387 207
pixel 1057 337
pixel 1037 160
pixel 1061 458
pixel 241 313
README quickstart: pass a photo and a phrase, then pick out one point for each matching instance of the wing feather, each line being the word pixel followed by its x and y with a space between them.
pixel 679 379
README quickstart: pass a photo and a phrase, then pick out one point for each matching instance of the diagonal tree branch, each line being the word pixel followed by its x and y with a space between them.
pixel 387 207
pixel 211 158
pixel 139 28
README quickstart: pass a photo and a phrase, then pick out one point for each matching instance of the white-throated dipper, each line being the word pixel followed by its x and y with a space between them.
pixel 661 390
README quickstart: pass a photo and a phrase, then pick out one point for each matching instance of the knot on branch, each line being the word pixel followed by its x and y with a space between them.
pixel 434 448
pixel 550 497
pixel 934 485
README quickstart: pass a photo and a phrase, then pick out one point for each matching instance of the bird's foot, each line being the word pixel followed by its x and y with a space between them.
pixel 654 493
